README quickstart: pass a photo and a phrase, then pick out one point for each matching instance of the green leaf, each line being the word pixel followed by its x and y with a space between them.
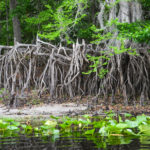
pixel 53 117
pixel 141 119
pixel 51 123
pixel 36 129
pixel 86 116
pixel 125 140
pixel 28 127
pixel 145 140
pixel 12 127
pixel 131 124
pixel 103 131
pixel 129 132
pixel 56 131
pixel 145 129
pixel 122 125
pixel 90 71
pixel 23 126
pixel 112 122
pixel 16 123
pixel 90 131
pixel 120 119
pixel 127 115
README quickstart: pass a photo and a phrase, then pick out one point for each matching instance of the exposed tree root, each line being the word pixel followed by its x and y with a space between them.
pixel 58 71
pixel 45 67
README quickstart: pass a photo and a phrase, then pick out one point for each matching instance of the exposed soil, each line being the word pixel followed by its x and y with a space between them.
pixel 44 107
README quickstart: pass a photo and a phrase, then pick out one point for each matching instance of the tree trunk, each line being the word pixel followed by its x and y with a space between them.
pixel 16 22
pixel 7 22
pixel 121 71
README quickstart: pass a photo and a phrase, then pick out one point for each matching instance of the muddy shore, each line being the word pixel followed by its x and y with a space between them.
pixel 44 110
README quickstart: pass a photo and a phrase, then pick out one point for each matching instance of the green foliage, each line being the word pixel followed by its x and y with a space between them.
pixel 58 23
pixel 2 6
pixel 98 65
pixel 144 129
pixel 123 49
pixel 9 127
pixel 48 128
pixel 65 21
pixel 98 35
pixel 145 4
pixel 108 126
pixel 137 31
pixel 132 31
pixel 83 31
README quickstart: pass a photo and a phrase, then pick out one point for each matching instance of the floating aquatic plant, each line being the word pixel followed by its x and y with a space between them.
pixel 90 127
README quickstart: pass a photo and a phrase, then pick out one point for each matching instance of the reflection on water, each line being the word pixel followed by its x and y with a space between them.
pixel 69 143
pixel 145 143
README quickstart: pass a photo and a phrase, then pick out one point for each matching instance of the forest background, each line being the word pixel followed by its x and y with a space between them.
pixel 83 47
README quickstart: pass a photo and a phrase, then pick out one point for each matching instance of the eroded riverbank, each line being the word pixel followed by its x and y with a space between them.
pixel 42 110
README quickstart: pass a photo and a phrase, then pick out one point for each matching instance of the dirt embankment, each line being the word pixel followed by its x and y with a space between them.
pixel 42 110
pixel 34 108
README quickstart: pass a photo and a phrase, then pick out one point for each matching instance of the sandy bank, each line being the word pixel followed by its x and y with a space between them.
pixel 41 110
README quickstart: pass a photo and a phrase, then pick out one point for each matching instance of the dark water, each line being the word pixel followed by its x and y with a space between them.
pixel 70 143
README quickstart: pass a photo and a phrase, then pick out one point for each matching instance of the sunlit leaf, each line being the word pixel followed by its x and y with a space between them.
pixel 51 123
pixel 90 131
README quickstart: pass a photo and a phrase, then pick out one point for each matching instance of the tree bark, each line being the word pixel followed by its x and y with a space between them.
pixel 121 75
pixel 16 22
